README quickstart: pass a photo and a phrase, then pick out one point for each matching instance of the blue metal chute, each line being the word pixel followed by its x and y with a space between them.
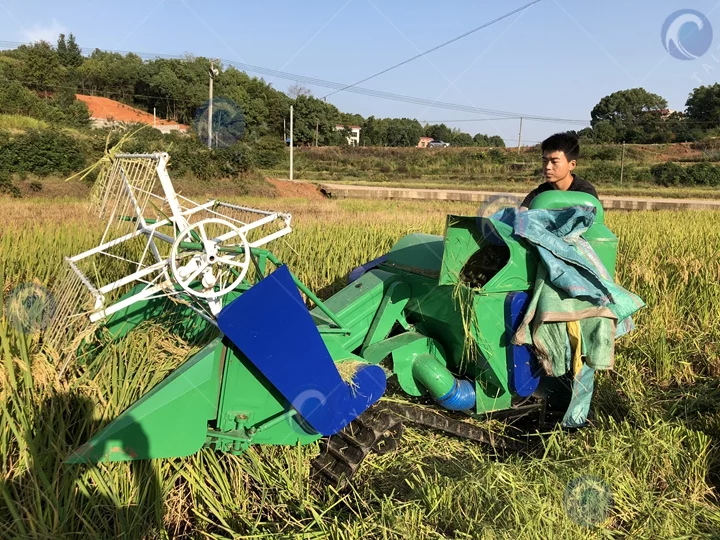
pixel 272 327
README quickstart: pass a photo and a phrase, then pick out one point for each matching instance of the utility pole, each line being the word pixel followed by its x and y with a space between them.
pixel 291 142
pixel 284 131
pixel 317 129
pixel 520 135
pixel 213 72
pixel 622 163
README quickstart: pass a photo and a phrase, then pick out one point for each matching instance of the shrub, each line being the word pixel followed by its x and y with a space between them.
pixel 497 156
pixel 703 174
pixel 605 153
pixel 669 174
pixel 267 152
pixel 638 174
pixel 7 186
pixel 41 152
pixel 44 152
pixel 601 172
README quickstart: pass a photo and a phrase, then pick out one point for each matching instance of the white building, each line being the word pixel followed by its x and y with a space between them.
pixel 353 138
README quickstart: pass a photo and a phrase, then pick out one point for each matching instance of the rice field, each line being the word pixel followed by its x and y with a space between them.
pixel 655 447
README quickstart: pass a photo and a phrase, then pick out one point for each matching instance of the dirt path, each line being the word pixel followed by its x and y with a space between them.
pixel 296 189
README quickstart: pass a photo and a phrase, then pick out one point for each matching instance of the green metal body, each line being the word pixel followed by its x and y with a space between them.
pixel 417 313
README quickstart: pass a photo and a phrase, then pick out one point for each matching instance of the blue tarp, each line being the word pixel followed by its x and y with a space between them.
pixel 572 265
pixel 571 285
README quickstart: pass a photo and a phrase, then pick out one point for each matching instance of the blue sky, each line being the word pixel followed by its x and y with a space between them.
pixel 557 58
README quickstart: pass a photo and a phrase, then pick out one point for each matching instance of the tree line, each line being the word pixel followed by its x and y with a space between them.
pixel 641 117
pixel 41 80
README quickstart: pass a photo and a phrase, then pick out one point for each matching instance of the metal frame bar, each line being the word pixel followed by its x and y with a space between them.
pixel 181 208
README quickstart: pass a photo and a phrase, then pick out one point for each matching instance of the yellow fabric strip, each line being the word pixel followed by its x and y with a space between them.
pixel 573 330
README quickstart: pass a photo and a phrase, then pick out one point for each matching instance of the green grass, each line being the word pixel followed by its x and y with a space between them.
pixel 477 168
pixel 656 444
pixel 15 121
pixel 524 187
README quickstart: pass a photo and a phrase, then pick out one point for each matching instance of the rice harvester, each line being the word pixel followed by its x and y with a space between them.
pixel 429 322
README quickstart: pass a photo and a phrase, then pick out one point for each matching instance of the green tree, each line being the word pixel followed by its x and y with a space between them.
pixel 481 140
pixel 373 132
pixel 74 56
pixel 684 129
pixel 403 132
pixel 586 135
pixel 703 106
pixel 496 141
pixel 633 114
pixel 111 75
pixel 41 67
pixel 605 132
pixel 462 139
pixel 69 52
pixel 61 47
pixel 439 132
pixel 264 107
pixel 310 114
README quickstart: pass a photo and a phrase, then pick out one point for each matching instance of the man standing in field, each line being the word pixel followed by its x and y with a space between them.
pixel 560 153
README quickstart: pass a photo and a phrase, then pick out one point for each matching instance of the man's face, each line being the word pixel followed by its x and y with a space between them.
pixel 556 166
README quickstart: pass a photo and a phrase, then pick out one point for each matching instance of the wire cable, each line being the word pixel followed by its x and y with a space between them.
pixel 453 40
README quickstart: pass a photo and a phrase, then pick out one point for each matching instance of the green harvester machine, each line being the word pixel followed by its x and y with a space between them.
pixel 429 323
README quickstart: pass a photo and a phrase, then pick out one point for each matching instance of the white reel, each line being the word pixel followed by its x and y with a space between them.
pixel 220 264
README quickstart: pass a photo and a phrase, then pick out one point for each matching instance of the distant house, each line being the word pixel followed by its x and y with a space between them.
pixel 424 141
pixel 353 138
pixel 665 113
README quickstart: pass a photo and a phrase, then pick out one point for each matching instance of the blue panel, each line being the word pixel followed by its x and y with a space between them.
pixel 273 328
pixel 360 270
pixel 524 372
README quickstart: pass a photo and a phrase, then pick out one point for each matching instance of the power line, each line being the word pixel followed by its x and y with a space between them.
pixel 329 84
pixel 507 115
pixel 435 48
pixel 469 120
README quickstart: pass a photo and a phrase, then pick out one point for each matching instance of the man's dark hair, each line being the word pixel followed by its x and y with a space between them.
pixel 563 142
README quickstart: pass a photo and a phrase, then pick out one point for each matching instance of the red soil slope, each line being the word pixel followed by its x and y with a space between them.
pixel 105 109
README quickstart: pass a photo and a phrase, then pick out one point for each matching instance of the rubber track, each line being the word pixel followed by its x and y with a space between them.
pixel 380 428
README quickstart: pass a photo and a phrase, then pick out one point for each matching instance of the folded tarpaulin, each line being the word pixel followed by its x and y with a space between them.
pixel 571 284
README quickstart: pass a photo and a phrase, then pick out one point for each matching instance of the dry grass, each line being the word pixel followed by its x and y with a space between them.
pixel 656 443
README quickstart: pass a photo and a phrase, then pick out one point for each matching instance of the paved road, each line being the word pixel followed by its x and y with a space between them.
pixel 343 191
